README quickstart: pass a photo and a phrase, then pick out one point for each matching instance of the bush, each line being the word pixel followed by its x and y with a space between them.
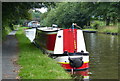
pixel 96 23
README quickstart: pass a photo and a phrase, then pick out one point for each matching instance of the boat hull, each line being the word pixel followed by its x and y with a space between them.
pixel 65 63
pixel 67 67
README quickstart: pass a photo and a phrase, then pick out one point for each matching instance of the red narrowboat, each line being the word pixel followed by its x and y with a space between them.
pixel 66 46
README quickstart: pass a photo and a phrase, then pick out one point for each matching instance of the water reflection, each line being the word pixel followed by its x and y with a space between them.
pixel 103 55
pixel 80 75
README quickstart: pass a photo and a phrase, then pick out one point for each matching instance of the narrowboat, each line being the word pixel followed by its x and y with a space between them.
pixel 66 46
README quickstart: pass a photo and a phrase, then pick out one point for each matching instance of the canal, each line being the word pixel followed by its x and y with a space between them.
pixel 103 51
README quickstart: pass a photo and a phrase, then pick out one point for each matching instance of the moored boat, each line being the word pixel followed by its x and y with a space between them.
pixel 66 46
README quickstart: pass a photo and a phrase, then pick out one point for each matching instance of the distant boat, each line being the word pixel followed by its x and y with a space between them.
pixel 33 24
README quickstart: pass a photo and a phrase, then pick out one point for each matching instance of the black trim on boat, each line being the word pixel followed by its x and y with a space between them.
pixel 77 69
pixel 49 31
pixel 70 54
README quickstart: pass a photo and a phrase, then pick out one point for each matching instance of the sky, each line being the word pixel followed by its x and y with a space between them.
pixel 42 10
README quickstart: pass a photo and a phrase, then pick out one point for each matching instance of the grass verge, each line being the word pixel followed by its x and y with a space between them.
pixel 90 29
pixel 105 29
pixel 34 64
pixel 110 29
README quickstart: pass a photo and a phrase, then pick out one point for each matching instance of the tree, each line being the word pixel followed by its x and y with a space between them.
pixel 64 14
pixel 108 11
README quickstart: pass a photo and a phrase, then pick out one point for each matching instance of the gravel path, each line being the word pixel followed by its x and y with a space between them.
pixel 9 57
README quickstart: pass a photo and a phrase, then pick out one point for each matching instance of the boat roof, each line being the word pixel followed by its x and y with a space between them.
pixel 48 29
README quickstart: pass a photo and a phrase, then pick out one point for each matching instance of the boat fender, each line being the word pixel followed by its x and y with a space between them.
pixel 75 62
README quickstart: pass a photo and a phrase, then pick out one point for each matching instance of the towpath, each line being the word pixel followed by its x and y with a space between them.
pixel 9 57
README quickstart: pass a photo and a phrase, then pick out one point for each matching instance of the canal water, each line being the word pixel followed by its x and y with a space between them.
pixel 103 51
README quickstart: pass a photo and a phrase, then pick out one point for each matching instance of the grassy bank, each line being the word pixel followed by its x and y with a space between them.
pixel 110 29
pixel 34 64
pixel 101 27
pixel 105 29
pixel 90 29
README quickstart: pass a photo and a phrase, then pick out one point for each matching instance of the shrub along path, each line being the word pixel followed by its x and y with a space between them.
pixel 9 57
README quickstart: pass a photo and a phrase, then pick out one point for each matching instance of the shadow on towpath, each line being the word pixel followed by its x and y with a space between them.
pixel 9 57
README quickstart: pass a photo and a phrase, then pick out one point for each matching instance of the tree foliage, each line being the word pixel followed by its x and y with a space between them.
pixel 13 12
pixel 65 13
pixel 107 11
